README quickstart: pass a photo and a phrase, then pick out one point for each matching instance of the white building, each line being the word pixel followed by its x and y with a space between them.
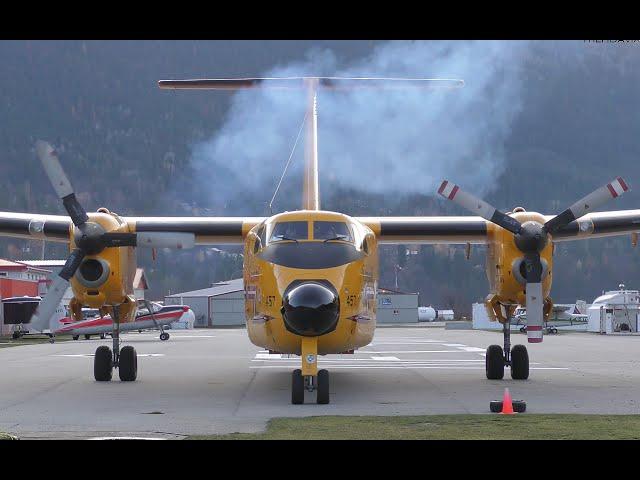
pixel 615 311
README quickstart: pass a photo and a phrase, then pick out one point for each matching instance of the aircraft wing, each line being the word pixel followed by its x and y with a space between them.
pixel 473 229
pixel 207 230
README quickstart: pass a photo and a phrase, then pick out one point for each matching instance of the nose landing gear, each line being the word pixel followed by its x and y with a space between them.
pixel 309 377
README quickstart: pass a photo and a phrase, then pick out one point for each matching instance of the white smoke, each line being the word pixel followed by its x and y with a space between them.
pixel 382 141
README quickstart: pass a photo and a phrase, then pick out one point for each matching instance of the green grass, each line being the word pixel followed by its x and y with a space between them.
pixel 446 427
pixel 6 436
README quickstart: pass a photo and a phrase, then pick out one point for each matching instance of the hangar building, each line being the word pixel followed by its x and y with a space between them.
pixel 219 305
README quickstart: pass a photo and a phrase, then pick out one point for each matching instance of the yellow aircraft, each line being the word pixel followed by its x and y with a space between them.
pixel 311 276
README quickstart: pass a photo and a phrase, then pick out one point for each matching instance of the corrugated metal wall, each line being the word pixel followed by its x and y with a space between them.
pixel 227 309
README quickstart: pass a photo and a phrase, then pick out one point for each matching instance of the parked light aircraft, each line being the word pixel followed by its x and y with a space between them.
pixel 311 275
pixel 149 316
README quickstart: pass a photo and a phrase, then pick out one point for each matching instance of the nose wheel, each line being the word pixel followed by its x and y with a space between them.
pixel 310 383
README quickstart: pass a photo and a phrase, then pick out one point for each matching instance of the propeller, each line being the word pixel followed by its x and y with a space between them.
pixel 90 237
pixel 532 237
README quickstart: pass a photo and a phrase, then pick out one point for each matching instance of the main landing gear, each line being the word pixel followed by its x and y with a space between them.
pixel 124 359
pixel 497 358
pixel 309 378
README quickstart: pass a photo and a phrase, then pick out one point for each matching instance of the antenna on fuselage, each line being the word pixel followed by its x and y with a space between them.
pixel 310 192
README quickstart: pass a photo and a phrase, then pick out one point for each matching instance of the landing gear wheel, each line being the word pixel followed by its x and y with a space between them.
pixel 87 337
pixel 128 365
pixel 297 387
pixel 519 363
pixel 102 336
pixel 323 387
pixel 164 336
pixel 76 337
pixel 15 335
pixel 102 364
pixel 494 363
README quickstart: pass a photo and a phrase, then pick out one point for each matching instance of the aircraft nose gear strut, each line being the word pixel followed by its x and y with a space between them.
pixel 517 358
pixel 125 359
pixel 309 377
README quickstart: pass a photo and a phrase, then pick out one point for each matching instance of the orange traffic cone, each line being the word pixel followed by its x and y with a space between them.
pixel 507 404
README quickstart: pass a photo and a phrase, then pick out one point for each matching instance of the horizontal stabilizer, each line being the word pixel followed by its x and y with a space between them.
pixel 333 83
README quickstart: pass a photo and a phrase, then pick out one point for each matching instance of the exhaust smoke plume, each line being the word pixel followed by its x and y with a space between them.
pixel 392 141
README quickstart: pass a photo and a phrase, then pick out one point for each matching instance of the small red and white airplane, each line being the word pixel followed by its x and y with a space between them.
pixel 151 316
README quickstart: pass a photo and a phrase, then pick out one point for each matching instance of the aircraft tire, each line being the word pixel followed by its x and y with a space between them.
pixel 494 363
pixel 102 366
pixel 323 387
pixel 519 362
pixel 102 336
pixel 87 337
pixel 297 387
pixel 164 336
pixel 128 367
pixel 75 337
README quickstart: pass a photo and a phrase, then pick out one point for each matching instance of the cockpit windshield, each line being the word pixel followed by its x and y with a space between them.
pixel 326 231
pixel 289 231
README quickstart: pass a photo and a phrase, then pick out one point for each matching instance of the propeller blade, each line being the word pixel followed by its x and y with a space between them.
pixel 535 305
pixel 587 204
pixel 453 192
pixel 46 309
pixel 119 239
pixel 60 182
pixel 177 240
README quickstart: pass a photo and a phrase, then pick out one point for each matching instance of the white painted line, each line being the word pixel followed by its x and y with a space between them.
pixel 395 366
pixel 408 351
pixel 268 356
pixel 126 438
pixel 473 349
pixel 91 355
pixel 395 359
pixel 454 344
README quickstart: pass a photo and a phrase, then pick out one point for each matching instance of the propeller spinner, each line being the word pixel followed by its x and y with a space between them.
pixel 532 237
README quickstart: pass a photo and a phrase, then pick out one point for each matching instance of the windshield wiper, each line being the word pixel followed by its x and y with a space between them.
pixel 344 238
pixel 284 237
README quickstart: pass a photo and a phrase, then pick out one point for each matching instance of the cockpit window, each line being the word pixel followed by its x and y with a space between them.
pixel 331 231
pixel 289 231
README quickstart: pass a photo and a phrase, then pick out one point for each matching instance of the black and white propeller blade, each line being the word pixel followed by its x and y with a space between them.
pixel 587 204
pixel 49 158
pixel 475 205
pixel 47 307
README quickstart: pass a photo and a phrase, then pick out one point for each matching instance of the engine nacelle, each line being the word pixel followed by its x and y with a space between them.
pixel 105 279
pixel 505 268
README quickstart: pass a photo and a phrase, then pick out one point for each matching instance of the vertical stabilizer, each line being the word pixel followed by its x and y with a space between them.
pixel 310 191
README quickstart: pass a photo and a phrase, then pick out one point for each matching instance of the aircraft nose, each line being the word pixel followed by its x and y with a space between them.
pixel 310 309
